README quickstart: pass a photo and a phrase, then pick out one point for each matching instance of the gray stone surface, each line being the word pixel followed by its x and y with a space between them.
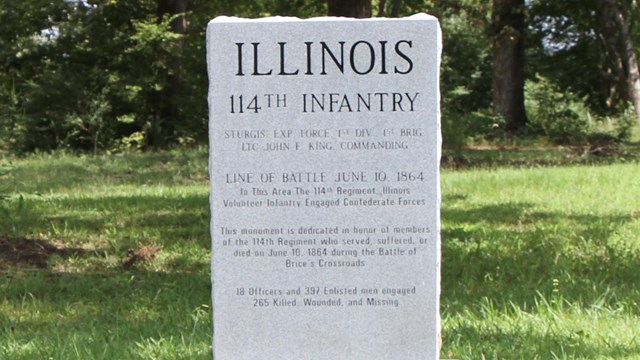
pixel 324 163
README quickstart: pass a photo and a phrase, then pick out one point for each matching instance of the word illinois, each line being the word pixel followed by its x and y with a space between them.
pixel 360 57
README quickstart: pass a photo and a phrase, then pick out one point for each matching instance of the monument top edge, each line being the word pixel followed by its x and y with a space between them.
pixel 234 19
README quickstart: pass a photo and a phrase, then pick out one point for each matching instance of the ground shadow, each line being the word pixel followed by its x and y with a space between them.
pixel 170 218
pixel 512 254
pixel 20 252
pixel 495 343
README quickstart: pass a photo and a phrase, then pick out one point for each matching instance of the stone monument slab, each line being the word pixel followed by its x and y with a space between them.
pixel 325 201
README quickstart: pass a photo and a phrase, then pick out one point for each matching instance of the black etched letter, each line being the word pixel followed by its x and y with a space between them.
pixel 308 58
pixel 240 73
pixel 255 61
pixel 282 57
pixel 372 58
pixel 383 57
pixel 404 56
pixel 339 64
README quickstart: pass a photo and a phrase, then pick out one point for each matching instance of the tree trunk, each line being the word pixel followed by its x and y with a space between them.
pixel 169 112
pixel 611 65
pixel 620 39
pixel 395 8
pixel 350 8
pixel 381 5
pixel 508 62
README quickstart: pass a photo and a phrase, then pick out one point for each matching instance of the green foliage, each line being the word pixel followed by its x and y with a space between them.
pixel 561 46
pixel 460 129
pixel 97 76
pixel 620 125
pixel 563 118
pixel 108 74
pixel 465 70
pixel 571 43
pixel 560 116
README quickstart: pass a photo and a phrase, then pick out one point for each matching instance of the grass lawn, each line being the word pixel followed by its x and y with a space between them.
pixel 542 263
pixel 108 257
pixel 111 258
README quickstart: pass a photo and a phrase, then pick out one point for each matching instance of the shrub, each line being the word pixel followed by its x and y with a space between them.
pixel 620 126
pixel 564 118
pixel 560 116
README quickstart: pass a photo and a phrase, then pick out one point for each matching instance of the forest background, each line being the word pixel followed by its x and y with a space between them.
pixel 108 243
pixel 113 75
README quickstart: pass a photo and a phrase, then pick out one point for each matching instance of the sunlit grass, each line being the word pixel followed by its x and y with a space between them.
pixel 538 262
pixel 542 263
pixel 85 305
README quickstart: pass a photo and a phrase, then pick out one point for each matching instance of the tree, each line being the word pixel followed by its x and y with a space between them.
pixel 618 42
pixel 508 62
pixel 350 8
pixel 587 48
pixel 168 98
pixel 94 74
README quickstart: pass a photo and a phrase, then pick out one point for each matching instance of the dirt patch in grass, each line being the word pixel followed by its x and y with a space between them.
pixel 20 252
pixel 143 253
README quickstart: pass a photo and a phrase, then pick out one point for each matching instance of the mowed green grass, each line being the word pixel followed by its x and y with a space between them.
pixel 86 305
pixel 542 263
pixel 537 262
